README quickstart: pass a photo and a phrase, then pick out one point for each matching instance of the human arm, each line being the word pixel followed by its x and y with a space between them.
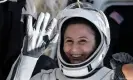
pixel 35 42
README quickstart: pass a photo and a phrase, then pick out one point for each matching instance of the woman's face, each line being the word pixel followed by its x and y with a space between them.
pixel 79 42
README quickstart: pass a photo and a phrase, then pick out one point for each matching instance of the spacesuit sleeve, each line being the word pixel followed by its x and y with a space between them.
pixel 23 65
pixel 22 68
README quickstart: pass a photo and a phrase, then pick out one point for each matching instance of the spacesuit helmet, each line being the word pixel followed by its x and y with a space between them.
pixel 100 22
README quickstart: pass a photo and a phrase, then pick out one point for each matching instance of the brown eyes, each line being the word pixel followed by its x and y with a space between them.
pixel 69 41
pixel 81 42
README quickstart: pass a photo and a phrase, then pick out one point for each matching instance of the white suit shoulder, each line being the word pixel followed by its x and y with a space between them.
pixel 45 75
pixel 56 74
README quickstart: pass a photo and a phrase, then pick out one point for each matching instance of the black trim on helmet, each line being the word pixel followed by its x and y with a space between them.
pixel 85 76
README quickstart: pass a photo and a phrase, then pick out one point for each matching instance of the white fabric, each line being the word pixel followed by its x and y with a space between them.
pixel 25 68
pixel 56 74
pixel 100 21
pixel 75 72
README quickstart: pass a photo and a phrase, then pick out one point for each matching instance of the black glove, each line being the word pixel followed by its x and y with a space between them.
pixel 118 60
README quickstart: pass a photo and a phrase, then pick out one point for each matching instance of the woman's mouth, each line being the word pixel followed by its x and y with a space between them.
pixel 76 55
pixel 76 58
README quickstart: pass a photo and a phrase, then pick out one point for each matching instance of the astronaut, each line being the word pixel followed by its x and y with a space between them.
pixel 83 41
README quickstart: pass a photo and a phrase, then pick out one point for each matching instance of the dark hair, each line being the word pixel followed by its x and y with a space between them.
pixel 78 20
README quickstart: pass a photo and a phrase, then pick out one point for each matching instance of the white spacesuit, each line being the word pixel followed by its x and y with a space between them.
pixel 90 69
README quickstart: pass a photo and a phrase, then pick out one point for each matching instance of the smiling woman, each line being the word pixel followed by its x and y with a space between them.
pixel 80 45
pixel 84 39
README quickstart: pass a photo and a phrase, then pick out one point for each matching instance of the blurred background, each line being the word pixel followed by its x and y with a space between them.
pixel 12 28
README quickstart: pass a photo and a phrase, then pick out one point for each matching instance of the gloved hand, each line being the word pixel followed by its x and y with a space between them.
pixel 118 60
pixel 35 42
pixel 38 35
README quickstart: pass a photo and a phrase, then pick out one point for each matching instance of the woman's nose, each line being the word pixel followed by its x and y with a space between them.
pixel 74 48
